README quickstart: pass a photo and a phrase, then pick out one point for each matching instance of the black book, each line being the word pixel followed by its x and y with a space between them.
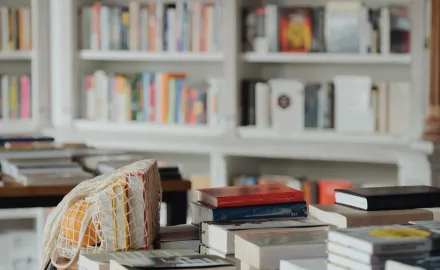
pixel 180 262
pixel 389 198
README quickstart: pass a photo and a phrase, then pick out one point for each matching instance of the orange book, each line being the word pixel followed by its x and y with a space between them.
pixel 96 33
pixel 326 190
pixel 165 79
pixel 249 195
pixel 21 30
pixel 152 27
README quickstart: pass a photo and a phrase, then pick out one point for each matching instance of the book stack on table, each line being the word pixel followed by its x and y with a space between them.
pixel 267 227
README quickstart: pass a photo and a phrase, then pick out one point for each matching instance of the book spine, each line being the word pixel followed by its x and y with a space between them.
pixel 285 210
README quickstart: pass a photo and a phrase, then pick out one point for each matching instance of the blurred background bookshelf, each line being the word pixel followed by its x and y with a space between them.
pixel 24 66
pixel 201 54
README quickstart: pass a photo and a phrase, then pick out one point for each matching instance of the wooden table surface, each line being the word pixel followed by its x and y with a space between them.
pixel 13 189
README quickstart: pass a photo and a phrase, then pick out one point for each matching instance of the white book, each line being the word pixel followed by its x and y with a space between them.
pixel 171 31
pixel 220 236
pixel 101 261
pixel 262 105
pixel 264 251
pixel 348 263
pixel 287 105
pixel 159 26
pixel 353 104
pixel 101 96
pixel 384 30
pixel 196 22
pixel 144 41
pixel 271 27
pixel 399 108
pixel 5 96
pixel 213 101
pixel 307 264
pixel 104 26
pixel 134 9
pixel 4 28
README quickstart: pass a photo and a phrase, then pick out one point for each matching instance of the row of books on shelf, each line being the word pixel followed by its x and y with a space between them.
pixel 39 161
pixel 15 97
pixel 171 27
pixel 269 226
pixel 347 104
pixel 339 27
pixel 165 98
pixel 15 29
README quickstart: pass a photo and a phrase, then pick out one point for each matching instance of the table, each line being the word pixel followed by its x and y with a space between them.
pixel 15 195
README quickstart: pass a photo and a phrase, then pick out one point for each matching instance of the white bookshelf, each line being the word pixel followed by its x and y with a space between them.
pixel 228 146
pixel 34 62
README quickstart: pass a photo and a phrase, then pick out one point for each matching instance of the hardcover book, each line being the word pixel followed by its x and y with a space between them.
pixel 389 198
pixel 249 195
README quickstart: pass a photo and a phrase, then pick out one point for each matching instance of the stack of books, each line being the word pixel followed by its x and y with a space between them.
pixel 35 160
pixel 370 247
pixel 244 223
pixel 379 206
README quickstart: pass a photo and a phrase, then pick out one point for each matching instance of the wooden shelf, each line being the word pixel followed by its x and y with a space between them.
pixel 12 189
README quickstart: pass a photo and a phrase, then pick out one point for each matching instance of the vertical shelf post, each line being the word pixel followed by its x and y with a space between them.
pixel 40 66
pixel 63 56
pixel 432 123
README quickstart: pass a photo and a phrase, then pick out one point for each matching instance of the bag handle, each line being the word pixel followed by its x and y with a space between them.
pixel 82 231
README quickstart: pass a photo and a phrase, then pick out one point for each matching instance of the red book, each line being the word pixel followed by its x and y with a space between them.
pixel 249 195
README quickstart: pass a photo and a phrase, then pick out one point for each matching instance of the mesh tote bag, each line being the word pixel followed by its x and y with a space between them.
pixel 117 211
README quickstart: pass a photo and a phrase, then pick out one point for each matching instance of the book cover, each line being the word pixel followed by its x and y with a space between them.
pixel 268 224
pixel 295 29
pixel 282 210
pixel 390 239
pixel 285 238
pixel 249 195
pixel 389 198
pixel 189 261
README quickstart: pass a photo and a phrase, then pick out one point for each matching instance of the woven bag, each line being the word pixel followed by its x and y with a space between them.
pixel 117 211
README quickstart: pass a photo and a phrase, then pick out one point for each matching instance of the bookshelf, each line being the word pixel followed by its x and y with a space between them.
pixel 227 144
pixel 33 62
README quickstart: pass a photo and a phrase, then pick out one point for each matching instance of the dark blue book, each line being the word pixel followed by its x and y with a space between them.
pixel 201 212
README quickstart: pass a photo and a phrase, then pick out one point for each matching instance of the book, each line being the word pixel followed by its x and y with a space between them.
pixel 283 210
pixel 265 250
pixel 249 195
pixel 428 263
pixel 346 217
pixel 220 235
pixel 307 264
pixel 389 198
pixel 101 261
pixel 371 259
pixel 180 262
pixel 386 240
